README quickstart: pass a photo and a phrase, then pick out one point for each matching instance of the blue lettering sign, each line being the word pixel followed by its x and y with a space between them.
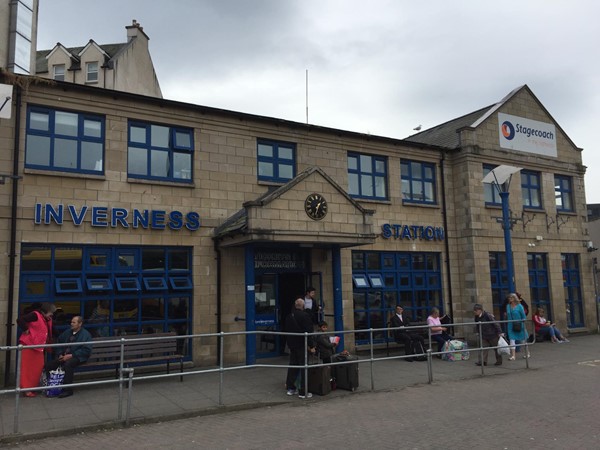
pixel 412 232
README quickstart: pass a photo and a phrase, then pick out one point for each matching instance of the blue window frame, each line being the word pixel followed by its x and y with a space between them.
pixel 539 289
pixel 68 285
pixel 64 141
pixel 498 281
pixel 155 283
pixel 531 189
pixel 180 283
pixel 367 176
pixel 490 192
pixel 128 284
pixel 160 152
pixel 384 279
pixel 418 182
pixel 98 284
pixel 572 286
pixel 111 301
pixel 563 193
pixel 276 161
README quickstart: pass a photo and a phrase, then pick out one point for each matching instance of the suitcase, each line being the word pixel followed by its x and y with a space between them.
pixel 346 375
pixel 419 350
pixel 319 380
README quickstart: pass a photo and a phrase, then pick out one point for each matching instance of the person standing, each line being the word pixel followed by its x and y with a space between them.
pixel 516 330
pixel 298 321
pixel 71 357
pixel 311 305
pixel 490 333
pixel 37 330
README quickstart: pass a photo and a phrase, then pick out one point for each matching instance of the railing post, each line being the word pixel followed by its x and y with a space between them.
pixel 480 325
pixel 429 366
pixel 121 367
pixel 305 363
pixel 372 356
pixel 221 368
pixel 18 388
pixel 129 371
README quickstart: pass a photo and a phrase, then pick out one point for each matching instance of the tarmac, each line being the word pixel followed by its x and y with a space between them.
pixel 166 398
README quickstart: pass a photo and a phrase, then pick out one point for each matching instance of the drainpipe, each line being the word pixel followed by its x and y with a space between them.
pixel 219 313
pixel 447 246
pixel 12 253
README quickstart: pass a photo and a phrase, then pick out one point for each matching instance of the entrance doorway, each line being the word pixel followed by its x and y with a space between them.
pixel 275 294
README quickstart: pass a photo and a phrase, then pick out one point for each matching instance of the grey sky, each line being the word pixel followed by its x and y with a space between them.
pixel 380 67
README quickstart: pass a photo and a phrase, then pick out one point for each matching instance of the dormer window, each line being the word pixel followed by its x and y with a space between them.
pixel 59 72
pixel 92 72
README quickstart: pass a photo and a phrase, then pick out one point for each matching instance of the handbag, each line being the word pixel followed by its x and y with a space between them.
pixel 516 326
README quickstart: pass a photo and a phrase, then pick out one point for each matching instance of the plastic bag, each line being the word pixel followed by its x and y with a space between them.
pixel 55 380
pixel 503 347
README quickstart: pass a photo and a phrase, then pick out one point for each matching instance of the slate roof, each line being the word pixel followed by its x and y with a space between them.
pixel 41 64
pixel 446 135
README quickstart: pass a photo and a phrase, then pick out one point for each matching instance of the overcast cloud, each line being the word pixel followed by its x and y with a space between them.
pixel 380 67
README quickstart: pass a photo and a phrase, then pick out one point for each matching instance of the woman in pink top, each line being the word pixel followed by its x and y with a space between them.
pixel 438 331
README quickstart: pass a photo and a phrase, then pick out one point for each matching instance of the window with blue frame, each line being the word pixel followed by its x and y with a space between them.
pixel 117 290
pixel 64 141
pixel 572 286
pixel 276 161
pixel 499 281
pixel 160 152
pixel 490 191
pixel 367 176
pixel 531 189
pixel 418 182
pixel 539 289
pixel 384 279
pixel 563 193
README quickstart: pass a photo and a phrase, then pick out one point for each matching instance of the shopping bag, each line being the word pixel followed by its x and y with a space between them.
pixel 55 380
pixel 503 347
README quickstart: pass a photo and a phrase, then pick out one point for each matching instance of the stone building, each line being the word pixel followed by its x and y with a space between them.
pixel 144 215
pixel 125 66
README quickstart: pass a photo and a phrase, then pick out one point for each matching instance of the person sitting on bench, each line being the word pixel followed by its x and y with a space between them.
pixel 400 321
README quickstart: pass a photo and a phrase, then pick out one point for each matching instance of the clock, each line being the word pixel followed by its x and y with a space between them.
pixel 315 206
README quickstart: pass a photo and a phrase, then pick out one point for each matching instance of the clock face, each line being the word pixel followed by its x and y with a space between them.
pixel 315 206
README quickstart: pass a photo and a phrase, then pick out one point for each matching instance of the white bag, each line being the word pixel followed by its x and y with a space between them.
pixel 503 347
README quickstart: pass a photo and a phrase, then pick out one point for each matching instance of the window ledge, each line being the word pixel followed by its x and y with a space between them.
pixel 64 174
pixel 161 183
pixel 566 213
pixel 421 205
pixel 372 200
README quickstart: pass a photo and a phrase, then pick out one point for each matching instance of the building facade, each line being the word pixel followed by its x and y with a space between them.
pixel 123 67
pixel 147 215
pixel 18 35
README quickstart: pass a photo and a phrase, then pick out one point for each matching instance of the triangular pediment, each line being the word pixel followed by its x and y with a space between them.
pixel 280 216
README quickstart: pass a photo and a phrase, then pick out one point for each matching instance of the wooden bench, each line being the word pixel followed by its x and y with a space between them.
pixel 106 351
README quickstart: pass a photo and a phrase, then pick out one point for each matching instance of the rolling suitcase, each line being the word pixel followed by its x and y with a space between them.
pixel 346 375
pixel 319 380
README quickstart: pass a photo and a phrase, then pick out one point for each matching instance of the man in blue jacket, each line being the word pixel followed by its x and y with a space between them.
pixel 71 356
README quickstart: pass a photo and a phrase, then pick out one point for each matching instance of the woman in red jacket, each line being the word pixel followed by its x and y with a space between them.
pixel 37 330
pixel 544 328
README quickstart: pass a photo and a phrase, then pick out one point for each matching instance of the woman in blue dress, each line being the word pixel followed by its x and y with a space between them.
pixel 515 311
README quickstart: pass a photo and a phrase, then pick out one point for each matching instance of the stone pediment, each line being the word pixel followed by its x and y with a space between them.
pixel 279 216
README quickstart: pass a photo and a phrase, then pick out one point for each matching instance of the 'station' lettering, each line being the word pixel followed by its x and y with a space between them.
pixel 102 216
pixel 412 232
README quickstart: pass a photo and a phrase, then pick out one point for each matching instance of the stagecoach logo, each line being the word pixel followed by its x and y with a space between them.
pixel 526 135
pixel 102 216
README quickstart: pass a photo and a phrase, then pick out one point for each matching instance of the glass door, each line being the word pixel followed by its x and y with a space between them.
pixel 266 315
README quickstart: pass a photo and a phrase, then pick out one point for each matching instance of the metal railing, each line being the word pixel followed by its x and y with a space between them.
pixel 127 375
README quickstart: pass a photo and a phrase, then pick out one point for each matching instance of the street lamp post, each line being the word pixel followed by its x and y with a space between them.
pixel 500 178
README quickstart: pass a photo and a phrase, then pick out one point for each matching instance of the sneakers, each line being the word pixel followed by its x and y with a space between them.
pixel 307 395
pixel 291 392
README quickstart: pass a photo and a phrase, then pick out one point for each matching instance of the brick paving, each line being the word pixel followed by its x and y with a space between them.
pixel 554 405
